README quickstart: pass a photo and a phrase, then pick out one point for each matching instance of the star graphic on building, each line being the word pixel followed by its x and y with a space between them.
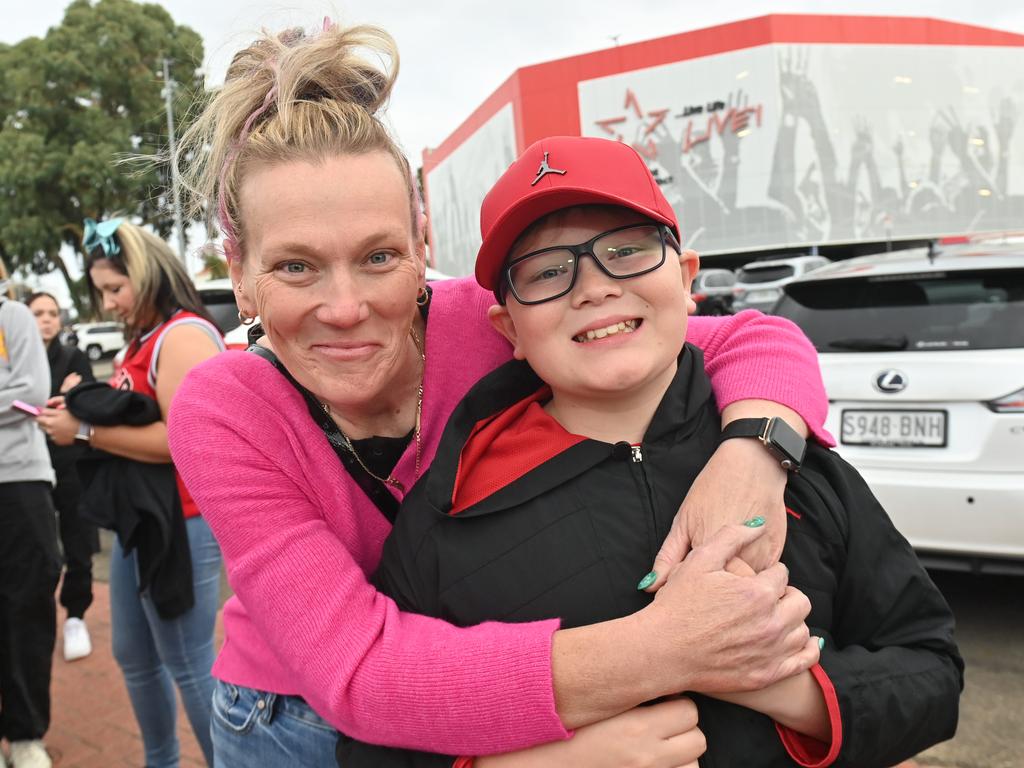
pixel 637 122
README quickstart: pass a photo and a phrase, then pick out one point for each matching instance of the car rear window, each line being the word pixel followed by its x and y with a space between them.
pixel 981 309
pixel 723 280
pixel 220 303
pixel 764 274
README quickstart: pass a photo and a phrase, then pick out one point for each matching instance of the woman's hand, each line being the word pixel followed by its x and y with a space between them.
pixel 741 481
pixel 70 381
pixel 715 629
pixel 663 735
pixel 58 423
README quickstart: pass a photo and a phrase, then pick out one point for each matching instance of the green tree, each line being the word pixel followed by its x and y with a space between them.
pixel 214 265
pixel 73 104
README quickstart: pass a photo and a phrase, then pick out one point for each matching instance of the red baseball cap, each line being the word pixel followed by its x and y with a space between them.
pixel 560 172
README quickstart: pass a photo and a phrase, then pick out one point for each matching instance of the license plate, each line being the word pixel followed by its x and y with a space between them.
pixel 894 429
pixel 769 295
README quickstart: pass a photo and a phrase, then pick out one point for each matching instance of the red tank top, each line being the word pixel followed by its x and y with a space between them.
pixel 135 370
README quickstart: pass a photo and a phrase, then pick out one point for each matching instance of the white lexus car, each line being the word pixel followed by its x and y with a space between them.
pixel 923 358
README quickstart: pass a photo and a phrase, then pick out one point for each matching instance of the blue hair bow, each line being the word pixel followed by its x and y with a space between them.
pixel 101 235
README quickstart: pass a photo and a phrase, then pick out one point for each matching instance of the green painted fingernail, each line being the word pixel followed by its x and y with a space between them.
pixel 755 522
pixel 647 580
pixel 821 643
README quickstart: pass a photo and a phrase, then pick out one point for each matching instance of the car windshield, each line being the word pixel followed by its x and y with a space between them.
pixel 750 275
pixel 981 309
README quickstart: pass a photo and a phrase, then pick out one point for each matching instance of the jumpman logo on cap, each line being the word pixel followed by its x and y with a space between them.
pixel 545 169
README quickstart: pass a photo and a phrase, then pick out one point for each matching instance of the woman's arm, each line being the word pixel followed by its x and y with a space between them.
pixel 297 554
pixel 184 347
pixel 759 366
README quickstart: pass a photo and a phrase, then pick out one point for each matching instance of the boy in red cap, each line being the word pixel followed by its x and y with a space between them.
pixel 539 505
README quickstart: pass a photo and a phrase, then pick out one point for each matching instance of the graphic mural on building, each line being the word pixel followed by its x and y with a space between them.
pixel 457 187
pixel 805 145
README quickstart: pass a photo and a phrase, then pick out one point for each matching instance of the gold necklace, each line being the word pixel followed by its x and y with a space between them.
pixel 390 479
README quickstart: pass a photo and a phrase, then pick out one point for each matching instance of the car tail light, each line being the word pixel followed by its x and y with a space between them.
pixel 699 297
pixel 1012 403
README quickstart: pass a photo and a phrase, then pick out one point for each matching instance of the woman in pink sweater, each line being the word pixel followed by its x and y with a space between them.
pixel 298 461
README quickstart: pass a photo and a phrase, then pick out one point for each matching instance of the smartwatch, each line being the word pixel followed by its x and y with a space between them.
pixel 782 441
pixel 84 434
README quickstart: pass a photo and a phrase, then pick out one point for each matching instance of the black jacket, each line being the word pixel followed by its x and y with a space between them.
pixel 571 538
pixel 64 360
pixel 136 499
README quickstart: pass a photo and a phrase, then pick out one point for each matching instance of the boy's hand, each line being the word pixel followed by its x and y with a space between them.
pixel 740 481
pixel 663 735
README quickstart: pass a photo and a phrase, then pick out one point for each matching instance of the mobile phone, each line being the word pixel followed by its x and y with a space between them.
pixel 31 410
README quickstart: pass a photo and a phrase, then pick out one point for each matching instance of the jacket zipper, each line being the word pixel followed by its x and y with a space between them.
pixel 636 456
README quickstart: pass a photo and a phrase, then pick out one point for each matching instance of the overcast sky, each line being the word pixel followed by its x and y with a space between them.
pixel 456 52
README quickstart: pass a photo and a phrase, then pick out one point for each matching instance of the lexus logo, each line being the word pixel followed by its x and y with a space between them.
pixel 891 381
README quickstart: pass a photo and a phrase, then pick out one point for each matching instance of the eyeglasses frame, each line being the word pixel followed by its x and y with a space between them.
pixel 579 251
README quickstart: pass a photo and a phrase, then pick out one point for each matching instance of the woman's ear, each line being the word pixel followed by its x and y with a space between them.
pixel 503 324
pixel 237 275
pixel 689 263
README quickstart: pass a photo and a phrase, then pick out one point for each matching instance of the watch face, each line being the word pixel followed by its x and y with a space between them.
pixel 786 440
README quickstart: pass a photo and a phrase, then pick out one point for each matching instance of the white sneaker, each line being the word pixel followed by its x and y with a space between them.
pixel 29 754
pixel 77 644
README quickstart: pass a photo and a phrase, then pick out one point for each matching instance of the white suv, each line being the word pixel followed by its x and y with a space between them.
pixel 99 339
pixel 923 358
pixel 759 283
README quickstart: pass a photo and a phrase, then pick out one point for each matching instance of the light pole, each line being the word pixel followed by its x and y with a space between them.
pixel 178 220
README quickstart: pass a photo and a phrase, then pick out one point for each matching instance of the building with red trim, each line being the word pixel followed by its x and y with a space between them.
pixel 782 133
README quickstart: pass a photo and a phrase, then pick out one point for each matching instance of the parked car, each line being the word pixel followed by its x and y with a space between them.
pixel 219 300
pixel 923 358
pixel 759 284
pixel 712 290
pixel 98 340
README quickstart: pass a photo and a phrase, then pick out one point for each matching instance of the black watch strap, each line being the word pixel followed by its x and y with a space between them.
pixel 781 440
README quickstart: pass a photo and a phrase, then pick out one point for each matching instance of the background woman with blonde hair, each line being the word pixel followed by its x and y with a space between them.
pixel 133 274
pixel 299 458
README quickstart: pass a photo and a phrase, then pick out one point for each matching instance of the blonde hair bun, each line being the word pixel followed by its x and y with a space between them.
pixel 290 96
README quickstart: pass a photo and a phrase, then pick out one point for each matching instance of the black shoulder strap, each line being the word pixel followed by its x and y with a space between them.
pixel 371 486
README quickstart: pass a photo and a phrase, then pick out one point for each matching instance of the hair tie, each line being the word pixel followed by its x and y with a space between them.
pixel 101 234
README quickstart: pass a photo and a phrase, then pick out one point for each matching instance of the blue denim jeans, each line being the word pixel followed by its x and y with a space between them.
pixel 259 728
pixel 152 651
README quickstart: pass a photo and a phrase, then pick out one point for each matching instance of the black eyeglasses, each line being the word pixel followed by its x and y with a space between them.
pixel 620 253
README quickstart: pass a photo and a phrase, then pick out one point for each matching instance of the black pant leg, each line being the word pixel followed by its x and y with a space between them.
pixel 78 538
pixel 29 569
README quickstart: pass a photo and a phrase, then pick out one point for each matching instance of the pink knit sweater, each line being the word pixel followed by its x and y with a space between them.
pixel 300 539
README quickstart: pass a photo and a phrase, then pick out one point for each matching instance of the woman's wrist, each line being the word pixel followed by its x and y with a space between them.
pixel 598 670
pixel 755 409
pixel 85 432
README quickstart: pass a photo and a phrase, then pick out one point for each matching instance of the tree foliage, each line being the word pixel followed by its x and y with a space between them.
pixel 73 105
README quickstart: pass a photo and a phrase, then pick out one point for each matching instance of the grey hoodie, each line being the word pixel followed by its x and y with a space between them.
pixel 24 375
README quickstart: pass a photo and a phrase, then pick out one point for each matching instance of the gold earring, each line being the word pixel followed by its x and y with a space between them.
pixel 244 319
pixel 423 297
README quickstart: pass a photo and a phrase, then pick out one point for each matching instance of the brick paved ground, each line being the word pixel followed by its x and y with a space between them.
pixel 92 724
